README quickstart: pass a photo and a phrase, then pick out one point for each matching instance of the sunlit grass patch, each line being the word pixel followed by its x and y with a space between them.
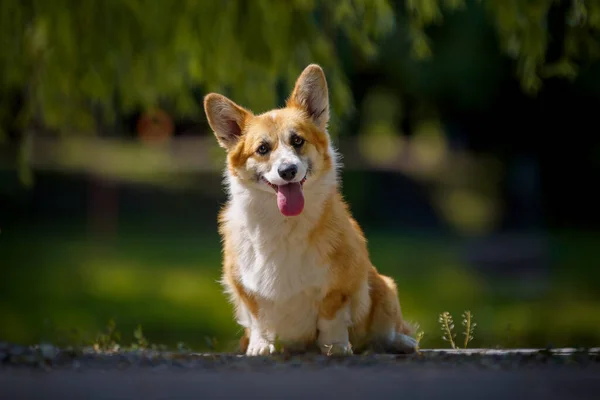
pixel 168 285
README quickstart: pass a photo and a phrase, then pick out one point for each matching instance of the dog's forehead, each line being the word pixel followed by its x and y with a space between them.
pixel 279 121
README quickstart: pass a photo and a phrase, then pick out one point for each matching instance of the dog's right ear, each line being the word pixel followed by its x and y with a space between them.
pixel 226 119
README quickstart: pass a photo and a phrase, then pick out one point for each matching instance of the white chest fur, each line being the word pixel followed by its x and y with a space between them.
pixel 275 259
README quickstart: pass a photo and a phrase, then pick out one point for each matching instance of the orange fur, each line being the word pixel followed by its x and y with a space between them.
pixel 338 272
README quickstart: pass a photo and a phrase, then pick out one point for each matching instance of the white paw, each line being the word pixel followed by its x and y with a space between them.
pixel 404 344
pixel 260 347
pixel 333 334
pixel 337 349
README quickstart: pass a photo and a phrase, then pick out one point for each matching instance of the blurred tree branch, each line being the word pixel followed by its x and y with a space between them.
pixel 71 58
pixel 522 29
pixel 131 54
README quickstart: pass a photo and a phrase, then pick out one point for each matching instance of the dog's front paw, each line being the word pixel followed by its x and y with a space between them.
pixel 401 344
pixel 260 347
pixel 337 349
pixel 404 344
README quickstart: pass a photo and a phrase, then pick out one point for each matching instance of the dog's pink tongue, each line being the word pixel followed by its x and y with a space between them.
pixel 290 199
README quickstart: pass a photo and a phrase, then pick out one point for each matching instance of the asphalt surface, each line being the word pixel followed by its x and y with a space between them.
pixel 432 383
pixel 433 375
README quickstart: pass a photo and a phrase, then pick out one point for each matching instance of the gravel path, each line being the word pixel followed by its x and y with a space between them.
pixel 45 372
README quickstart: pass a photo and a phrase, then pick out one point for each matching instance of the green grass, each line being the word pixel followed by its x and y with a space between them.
pixel 54 283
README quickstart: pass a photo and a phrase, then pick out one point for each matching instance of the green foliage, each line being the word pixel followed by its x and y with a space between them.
pixel 79 61
pixel 522 29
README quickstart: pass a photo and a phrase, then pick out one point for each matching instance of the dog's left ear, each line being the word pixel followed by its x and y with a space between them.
pixel 311 95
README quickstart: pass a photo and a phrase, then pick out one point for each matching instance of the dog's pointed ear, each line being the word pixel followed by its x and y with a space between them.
pixel 311 95
pixel 226 119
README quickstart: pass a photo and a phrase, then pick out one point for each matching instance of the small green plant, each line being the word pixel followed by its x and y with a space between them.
pixel 469 327
pixel 447 326
pixel 211 342
pixel 141 343
pixel 108 340
pixel 418 338
pixel 183 348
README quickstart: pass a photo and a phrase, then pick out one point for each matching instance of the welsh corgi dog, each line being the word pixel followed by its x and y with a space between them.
pixel 295 262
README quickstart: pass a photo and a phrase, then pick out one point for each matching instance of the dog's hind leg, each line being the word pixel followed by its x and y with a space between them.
pixel 388 331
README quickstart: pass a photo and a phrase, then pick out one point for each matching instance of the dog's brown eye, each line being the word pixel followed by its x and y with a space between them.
pixel 262 149
pixel 297 141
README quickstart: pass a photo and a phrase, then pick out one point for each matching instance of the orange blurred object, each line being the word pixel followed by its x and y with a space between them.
pixel 155 126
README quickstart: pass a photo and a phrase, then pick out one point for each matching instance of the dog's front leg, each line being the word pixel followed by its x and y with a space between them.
pixel 333 323
pixel 256 340
pixel 259 343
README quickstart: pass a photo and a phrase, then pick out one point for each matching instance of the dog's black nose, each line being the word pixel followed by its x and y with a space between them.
pixel 287 171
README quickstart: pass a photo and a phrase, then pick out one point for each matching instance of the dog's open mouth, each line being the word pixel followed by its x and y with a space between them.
pixel 290 197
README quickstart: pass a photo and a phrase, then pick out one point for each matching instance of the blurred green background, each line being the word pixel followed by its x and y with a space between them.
pixel 468 131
